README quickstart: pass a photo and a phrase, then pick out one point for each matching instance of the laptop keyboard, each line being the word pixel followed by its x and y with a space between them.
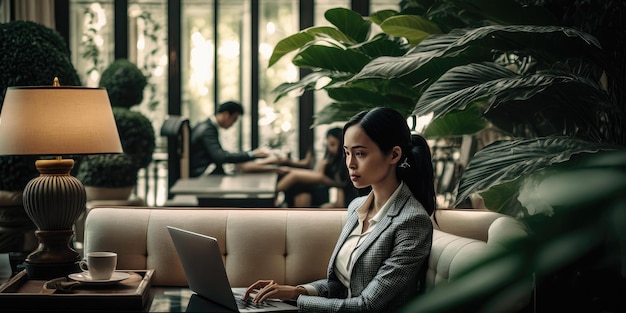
pixel 249 304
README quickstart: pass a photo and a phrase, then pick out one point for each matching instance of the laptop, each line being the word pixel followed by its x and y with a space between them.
pixel 206 275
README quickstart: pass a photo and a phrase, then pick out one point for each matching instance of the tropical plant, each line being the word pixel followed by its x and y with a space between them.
pixel 31 54
pixel 473 66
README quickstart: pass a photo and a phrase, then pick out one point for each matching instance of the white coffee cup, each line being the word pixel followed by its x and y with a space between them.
pixel 99 265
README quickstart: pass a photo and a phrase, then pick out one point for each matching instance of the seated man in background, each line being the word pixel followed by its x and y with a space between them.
pixel 205 147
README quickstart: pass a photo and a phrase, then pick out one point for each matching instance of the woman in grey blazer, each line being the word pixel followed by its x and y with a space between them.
pixel 378 261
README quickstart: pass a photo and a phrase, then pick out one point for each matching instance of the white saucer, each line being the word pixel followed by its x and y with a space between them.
pixel 85 278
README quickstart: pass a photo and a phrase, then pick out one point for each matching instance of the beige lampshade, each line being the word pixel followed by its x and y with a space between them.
pixel 57 121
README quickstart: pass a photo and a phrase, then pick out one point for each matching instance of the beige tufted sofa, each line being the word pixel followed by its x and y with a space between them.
pixel 291 246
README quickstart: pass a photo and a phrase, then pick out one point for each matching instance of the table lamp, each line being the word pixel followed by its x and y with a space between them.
pixel 56 121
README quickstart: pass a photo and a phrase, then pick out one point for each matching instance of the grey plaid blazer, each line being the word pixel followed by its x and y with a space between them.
pixel 385 275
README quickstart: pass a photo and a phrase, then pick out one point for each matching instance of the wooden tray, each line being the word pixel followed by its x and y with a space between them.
pixel 23 294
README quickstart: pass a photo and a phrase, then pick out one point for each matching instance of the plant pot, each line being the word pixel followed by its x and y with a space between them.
pixel 106 193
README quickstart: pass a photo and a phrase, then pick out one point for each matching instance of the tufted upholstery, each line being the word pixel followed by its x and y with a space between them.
pixel 291 246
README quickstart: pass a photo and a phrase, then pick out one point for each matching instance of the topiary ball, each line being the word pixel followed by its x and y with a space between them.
pixel 124 83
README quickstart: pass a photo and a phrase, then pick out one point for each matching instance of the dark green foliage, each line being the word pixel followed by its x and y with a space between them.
pixel 33 55
pixel 16 172
pixel 108 170
pixel 124 83
pixel 30 55
pixel 137 135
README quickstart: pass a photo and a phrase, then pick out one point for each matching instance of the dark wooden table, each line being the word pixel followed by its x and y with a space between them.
pixel 236 190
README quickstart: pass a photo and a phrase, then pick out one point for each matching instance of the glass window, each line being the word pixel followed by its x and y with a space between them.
pixel 233 68
pixel 278 120
pixel 378 5
pixel 197 60
pixel 213 65
pixel 92 40
pixel 147 45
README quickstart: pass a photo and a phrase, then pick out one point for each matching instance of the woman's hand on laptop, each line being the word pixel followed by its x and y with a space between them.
pixel 268 289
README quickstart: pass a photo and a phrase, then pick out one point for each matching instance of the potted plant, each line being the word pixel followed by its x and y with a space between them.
pixel 31 54
pixel 113 177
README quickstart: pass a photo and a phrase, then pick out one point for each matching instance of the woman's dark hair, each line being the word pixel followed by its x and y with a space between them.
pixel 336 163
pixel 388 128
pixel 337 133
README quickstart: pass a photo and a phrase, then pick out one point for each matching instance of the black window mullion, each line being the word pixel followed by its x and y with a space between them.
pixel 173 85
pixel 254 74
pixel 306 100
pixel 121 29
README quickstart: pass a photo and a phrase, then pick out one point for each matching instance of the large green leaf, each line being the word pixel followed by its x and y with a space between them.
pixel 338 112
pixel 380 16
pixel 505 161
pixel 289 44
pixel 457 123
pixel 305 37
pixel 542 104
pixel 412 27
pixel 421 68
pixel 461 86
pixel 383 45
pixel 368 98
pixel 547 44
pixel 388 87
pixel 331 58
pixel 306 83
pixel 503 198
pixel 355 95
pixel 551 42
pixel 350 23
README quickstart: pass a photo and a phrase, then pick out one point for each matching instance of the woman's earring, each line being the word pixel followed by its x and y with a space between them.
pixel 405 163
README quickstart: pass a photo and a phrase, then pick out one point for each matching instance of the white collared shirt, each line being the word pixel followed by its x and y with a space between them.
pixel 344 260
pixel 346 256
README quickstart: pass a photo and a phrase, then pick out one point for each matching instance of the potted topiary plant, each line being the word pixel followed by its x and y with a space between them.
pixel 113 177
pixel 31 54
